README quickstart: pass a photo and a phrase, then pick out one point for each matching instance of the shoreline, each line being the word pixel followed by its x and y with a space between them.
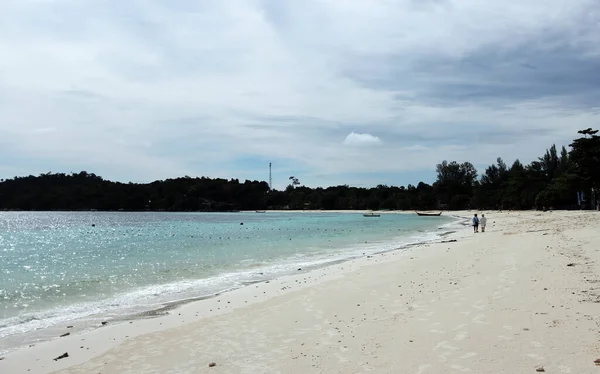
pixel 436 307
pixel 110 335
pixel 84 325
pixel 353 211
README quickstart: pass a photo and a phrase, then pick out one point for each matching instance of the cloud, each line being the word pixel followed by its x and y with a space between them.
pixel 141 90
pixel 357 139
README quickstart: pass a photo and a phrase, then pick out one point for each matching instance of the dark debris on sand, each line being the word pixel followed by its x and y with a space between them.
pixel 64 355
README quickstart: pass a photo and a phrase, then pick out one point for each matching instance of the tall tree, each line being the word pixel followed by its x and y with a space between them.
pixel 455 183
pixel 550 162
pixel 585 156
pixel 488 194
pixel 294 181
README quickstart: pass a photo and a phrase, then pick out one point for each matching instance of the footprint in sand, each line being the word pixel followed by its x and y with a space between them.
pixel 420 308
pixel 461 336
pixel 331 333
pixel 479 319
pixel 500 293
pixel 468 355
pixel 565 369
pixel 535 357
pixel 461 368
pixel 478 305
pixel 459 327
pixel 445 345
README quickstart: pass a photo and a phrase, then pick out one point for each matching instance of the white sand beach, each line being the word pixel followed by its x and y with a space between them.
pixel 523 297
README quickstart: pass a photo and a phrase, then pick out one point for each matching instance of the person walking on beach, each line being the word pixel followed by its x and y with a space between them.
pixel 475 223
pixel 482 222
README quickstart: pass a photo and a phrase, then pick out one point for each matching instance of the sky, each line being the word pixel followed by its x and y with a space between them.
pixel 358 92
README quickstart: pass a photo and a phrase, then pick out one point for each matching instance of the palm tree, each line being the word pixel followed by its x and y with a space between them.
pixel 295 181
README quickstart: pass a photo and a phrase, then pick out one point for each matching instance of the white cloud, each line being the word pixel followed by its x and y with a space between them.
pixel 358 139
pixel 145 89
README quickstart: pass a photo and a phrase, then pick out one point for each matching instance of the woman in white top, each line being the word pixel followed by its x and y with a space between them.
pixel 482 222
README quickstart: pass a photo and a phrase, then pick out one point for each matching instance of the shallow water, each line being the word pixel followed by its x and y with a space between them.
pixel 60 267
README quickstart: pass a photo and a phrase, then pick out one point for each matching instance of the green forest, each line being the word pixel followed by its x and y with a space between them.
pixel 559 179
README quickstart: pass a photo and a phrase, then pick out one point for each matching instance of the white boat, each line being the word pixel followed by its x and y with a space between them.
pixel 371 215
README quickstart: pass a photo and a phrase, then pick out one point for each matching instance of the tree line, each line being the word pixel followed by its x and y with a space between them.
pixel 557 180
pixel 565 179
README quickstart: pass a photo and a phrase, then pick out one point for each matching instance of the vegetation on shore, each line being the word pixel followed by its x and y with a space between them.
pixel 552 181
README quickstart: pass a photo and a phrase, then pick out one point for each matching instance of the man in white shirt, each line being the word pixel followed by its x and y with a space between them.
pixel 482 222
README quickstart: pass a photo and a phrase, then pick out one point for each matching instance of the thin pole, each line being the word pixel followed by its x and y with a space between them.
pixel 270 178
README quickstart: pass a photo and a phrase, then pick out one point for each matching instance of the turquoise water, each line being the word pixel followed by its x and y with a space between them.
pixel 60 267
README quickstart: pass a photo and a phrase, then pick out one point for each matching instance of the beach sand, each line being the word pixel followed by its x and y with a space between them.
pixel 524 297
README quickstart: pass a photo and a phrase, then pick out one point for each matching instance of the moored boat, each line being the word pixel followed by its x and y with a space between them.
pixel 429 214
pixel 371 215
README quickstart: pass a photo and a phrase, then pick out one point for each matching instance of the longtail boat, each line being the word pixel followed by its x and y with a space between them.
pixel 429 214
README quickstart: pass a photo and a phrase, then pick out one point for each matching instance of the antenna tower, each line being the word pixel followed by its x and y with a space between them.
pixel 270 178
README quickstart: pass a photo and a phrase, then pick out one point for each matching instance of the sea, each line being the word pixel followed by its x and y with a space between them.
pixel 61 268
